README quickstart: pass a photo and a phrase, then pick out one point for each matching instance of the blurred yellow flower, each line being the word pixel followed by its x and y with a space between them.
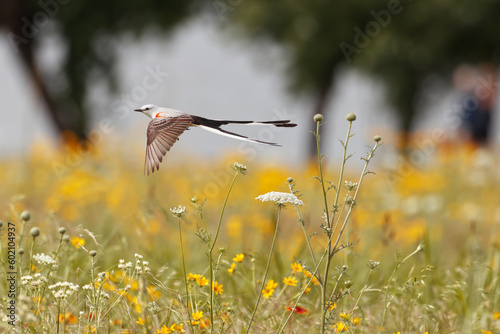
pixel 218 288
pixel 197 315
pixel 267 293
pixel 77 242
pixel 340 327
pixel 290 281
pixel 271 284
pixel 68 318
pixel 142 321
pixel 201 280
pixel 230 270
pixel 153 293
pixel 204 323
pixel 296 267
pixel 164 330
pixel 331 305
pixel 192 277
pixel 239 257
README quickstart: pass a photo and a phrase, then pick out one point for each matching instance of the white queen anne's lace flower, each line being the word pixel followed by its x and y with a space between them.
pixel 62 290
pixel 44 259
pixel 280 198
pixel 178 211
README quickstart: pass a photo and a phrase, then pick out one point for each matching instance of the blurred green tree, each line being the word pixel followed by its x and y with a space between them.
pixel 87 29
pixel 401 43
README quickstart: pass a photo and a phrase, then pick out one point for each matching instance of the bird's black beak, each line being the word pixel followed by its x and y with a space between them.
pixel 139 110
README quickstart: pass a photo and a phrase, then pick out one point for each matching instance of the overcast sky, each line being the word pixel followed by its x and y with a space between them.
pixel 202 71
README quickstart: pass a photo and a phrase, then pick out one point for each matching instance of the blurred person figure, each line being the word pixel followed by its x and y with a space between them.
pixel 478 88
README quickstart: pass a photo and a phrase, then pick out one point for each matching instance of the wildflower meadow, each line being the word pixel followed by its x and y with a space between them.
pixel 388 244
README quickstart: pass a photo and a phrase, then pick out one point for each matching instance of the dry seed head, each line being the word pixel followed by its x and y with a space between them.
pixel 351 117
pixel 318 118
pixel 35 232
pixel 26 216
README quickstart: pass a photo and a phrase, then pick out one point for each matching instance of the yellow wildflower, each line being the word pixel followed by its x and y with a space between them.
pixel 164 330
pixel 77 242
pixel 291 281
pixel 239 258
pixel 178 328
pixel 201 280
pixel 192 277
pixel 68 318
pixel 230 270
pixel 142 321
pixel 331 305
pixel 296 267
pixel 197 315
pixel 340 327
pixel 217 288
pixel 271 284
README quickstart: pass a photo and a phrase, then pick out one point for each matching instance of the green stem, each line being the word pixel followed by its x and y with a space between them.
pixel 302 224
pixel 31 254
pixel 210 255
pixel 386 288
pixel 362 291
pixel 328 231
pixel 341 176
pixel 265 272
pixel 185 275
pixel 363 174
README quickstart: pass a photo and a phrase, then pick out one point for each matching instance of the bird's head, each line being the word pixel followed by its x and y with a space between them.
pixel 148 109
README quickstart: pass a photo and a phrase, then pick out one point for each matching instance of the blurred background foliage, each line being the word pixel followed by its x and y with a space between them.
pixel 409 42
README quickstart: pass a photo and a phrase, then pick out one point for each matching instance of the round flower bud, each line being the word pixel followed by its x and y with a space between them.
pixel 35 232
pixel 66 238
pixel 20 251
pixel 377 138
pixel 93 253
pixel 25 215
pixel 318 118
pixel 289 180
pixel 351 117
pixel 348 284
pixel 62 230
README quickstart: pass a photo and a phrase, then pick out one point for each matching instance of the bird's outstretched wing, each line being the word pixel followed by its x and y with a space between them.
pixel 163 132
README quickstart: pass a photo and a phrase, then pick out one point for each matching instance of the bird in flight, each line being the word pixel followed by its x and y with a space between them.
pixel 168 124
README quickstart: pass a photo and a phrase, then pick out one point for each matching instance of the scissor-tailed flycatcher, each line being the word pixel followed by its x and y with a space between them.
pixel 168 124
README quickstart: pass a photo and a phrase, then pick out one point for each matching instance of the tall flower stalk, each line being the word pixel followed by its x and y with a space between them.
pixel 179 212
pixel 280 199
pixel 240 169
pixel 334 215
